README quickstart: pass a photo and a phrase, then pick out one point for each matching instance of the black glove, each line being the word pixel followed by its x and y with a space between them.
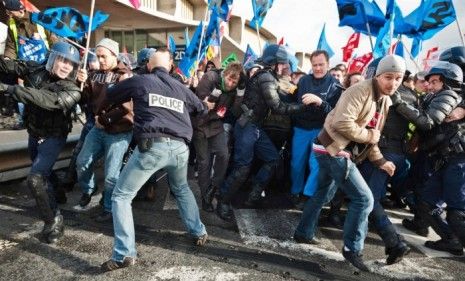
pixel 240 90
pixel 396 99
pixel 3 88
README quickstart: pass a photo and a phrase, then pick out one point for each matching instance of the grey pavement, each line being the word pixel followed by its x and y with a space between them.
pixel 257 246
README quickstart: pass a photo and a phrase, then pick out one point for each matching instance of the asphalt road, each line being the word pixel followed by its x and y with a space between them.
pixel 256 246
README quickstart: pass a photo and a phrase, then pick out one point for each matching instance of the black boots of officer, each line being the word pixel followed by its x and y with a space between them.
pixel 448 242
pixel 233 182
pixel 257 188
pixel 456 221
pixel 395 246
pixel 53 227
pixel 207 198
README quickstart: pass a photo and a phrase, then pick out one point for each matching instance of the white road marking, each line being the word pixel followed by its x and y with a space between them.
pixel 191 273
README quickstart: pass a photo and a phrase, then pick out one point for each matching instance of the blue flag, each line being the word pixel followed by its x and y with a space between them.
pixel 399 49
pixel 260 8
pixel 222 6
pixel 249 57
pixel 67 22
pixel 435 15
pixel 428 19
pixel 30 49
pixel 416 47
pixel 382 41
pixel 171 44
pixel 187 63
pixel 323 44
pixel 357 13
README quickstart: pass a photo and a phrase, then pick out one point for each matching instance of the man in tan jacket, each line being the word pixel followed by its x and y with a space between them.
pixel 355 122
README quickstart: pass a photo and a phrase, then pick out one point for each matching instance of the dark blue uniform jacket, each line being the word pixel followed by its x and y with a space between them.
pixel 161 104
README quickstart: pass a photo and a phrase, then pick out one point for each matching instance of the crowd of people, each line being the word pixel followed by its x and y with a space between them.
pixel 350 137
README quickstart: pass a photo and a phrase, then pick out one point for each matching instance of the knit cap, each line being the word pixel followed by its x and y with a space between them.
pixel 111 45
pixel 391 63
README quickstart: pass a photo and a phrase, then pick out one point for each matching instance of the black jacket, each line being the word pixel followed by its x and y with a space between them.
pixel 211 124
pixel 261 96
pixel 48 99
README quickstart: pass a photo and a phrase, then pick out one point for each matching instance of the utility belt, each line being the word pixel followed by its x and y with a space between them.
pixel 145 144
pixel 395 144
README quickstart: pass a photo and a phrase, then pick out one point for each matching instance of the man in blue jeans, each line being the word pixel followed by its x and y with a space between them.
pixel 357 118
pixel 112 132
pixel 162 128
pixel 308 124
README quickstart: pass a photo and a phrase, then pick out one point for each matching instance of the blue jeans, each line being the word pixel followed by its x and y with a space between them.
pixel 302 155
pixel 250 141
pixel 43 154
pixel 339 172
pixel 173 157
pixel 377 180
pixel 97 144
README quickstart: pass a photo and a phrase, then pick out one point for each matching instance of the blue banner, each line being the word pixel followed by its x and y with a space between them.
pixel 323 44
pixel 222 6
pixel 382 41
pixel 249 57
pixel 357 13
pixel 260 8
pixel 31 49
pixel 171 44
pixel 67 22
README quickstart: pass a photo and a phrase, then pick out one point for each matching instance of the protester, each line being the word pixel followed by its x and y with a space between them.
pixel 357 119
pixel 225 88
pixel 112 132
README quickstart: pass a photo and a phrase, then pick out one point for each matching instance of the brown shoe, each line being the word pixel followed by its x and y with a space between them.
pixel 111 265
pixel 201 240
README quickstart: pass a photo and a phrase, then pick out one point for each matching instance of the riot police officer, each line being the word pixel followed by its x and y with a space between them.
pixel 50 93
pixel 261 97
pixel 443 144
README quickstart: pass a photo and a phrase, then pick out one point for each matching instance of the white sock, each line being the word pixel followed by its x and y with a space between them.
pixel 346 249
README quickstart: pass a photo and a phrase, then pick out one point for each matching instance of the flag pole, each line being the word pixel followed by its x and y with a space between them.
pixel 89 30
pixel 368 29
pixel 201 39
pixel 460 31
pixel 258 37
pixel 410 54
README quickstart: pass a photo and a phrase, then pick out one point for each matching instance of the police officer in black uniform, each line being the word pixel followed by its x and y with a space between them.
pixel 443 144
pixel 261 97
pixel 162 129
pixel 49 94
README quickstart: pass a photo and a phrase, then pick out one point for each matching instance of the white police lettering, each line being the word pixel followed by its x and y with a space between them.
pixel 166 102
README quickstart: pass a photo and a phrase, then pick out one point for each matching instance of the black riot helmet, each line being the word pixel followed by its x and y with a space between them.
pixel 274 54
pixel 454 55
pixel 451 73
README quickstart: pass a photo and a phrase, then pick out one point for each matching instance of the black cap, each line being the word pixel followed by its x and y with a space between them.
pixel 13 5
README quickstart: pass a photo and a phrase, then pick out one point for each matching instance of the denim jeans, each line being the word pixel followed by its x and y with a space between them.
pixel 43 154
pixel 97 144
pixel 302 157
pixel 339 172
pixel 173 157
pixel 377 180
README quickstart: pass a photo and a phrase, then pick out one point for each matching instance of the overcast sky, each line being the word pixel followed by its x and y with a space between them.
pixel 301 21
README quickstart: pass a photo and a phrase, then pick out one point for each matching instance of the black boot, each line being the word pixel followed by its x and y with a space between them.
pixel 452 246
pixel 207 199
pixel 456 221
pixel 254 196
pixel 53 230
pixel 223 210
pixel 416 226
